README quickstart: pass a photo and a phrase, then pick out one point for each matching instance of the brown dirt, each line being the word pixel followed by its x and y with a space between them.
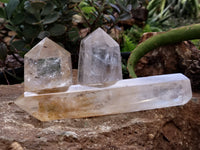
pixel 169 128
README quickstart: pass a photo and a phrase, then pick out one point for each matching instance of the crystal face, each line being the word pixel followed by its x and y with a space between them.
pixel 99 59
pixel 124 96
pixel 47 66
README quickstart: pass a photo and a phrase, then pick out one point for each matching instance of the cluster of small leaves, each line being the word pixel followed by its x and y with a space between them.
pixel 132 36
pixel 35 19
pixel 161 11
pixel 128 45
pixel 196 43
pixel 105 13
pixel 97 14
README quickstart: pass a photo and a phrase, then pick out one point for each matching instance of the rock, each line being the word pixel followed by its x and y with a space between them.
pixel 15 146
pixel 182 57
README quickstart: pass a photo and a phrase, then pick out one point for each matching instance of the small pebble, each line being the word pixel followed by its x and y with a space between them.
pixel 15 146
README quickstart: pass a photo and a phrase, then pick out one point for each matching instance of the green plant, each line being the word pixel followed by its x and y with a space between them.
pixel 33 20
pixel 105 13
pixel 172 36
pixel 161 11
pixel 97 14
pixel 4 52
pixel 132 36
pixel 135 33
pixel 128 45
pixel 196 42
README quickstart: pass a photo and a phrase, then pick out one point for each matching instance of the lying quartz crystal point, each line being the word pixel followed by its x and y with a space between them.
pixel 123 96
pixel 47 66
pixel 99 59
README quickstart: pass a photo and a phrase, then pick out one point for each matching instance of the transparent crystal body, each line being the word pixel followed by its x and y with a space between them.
pixel 47 66
pixel 99 59
pixel 121 97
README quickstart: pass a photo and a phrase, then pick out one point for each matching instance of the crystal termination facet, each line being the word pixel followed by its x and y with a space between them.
pixel 99 59
pixel 47 66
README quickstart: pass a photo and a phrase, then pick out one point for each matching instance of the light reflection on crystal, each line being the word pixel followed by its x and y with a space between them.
pixel 47 65
pixel 99 59
pixel 121 97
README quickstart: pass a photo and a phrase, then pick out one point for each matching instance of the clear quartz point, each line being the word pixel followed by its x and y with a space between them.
pixel 47 66
pixel 124 96
pixel 99 59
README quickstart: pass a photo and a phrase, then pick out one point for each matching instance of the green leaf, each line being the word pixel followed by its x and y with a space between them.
pixel 19 45
pixel 115 7
pixel 18 18
pixel 4 1
pixel 128 44
pixel 32 10
pixel 112 18
pixel 76 1
pixel 29 8
pixel 38 4
pixel 2 13
pixel 30 32
pixel 135 4
pixel 120 3
pixel 10 8
pixel 83 4
pixel 57 30
pixel 43 34
pixel 88 9
pixel 125 16
pixel 49 7
pixel 10 27
pixel 51 18
pixel 31 19
pixel 73 34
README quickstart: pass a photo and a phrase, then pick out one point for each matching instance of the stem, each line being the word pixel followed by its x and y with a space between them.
pixel 84 17
pixel 22 63
pixel 13 75
pixel 5 77
pixel 170 37
pixel 93 26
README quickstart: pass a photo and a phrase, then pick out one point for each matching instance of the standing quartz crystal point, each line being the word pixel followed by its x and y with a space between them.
pixel 99 59
pixel 47 66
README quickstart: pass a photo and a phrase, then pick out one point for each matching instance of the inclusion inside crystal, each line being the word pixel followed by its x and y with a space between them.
pixel 99 59
pixel 47 66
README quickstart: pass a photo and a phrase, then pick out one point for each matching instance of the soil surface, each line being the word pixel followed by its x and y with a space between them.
pixel 168 128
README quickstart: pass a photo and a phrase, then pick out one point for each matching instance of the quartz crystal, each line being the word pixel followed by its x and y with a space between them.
pixel 99 59
pixel 47 66
pixel 124 96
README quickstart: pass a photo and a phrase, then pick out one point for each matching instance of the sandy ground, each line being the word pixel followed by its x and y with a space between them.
pixel 168 128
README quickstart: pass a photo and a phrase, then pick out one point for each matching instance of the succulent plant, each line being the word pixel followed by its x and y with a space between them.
pixel 35 19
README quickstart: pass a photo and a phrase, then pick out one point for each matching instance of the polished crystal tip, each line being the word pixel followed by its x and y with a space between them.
pixel 99 59
pixel 47 66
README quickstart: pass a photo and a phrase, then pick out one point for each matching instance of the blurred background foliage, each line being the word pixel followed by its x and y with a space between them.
pixel 68 21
